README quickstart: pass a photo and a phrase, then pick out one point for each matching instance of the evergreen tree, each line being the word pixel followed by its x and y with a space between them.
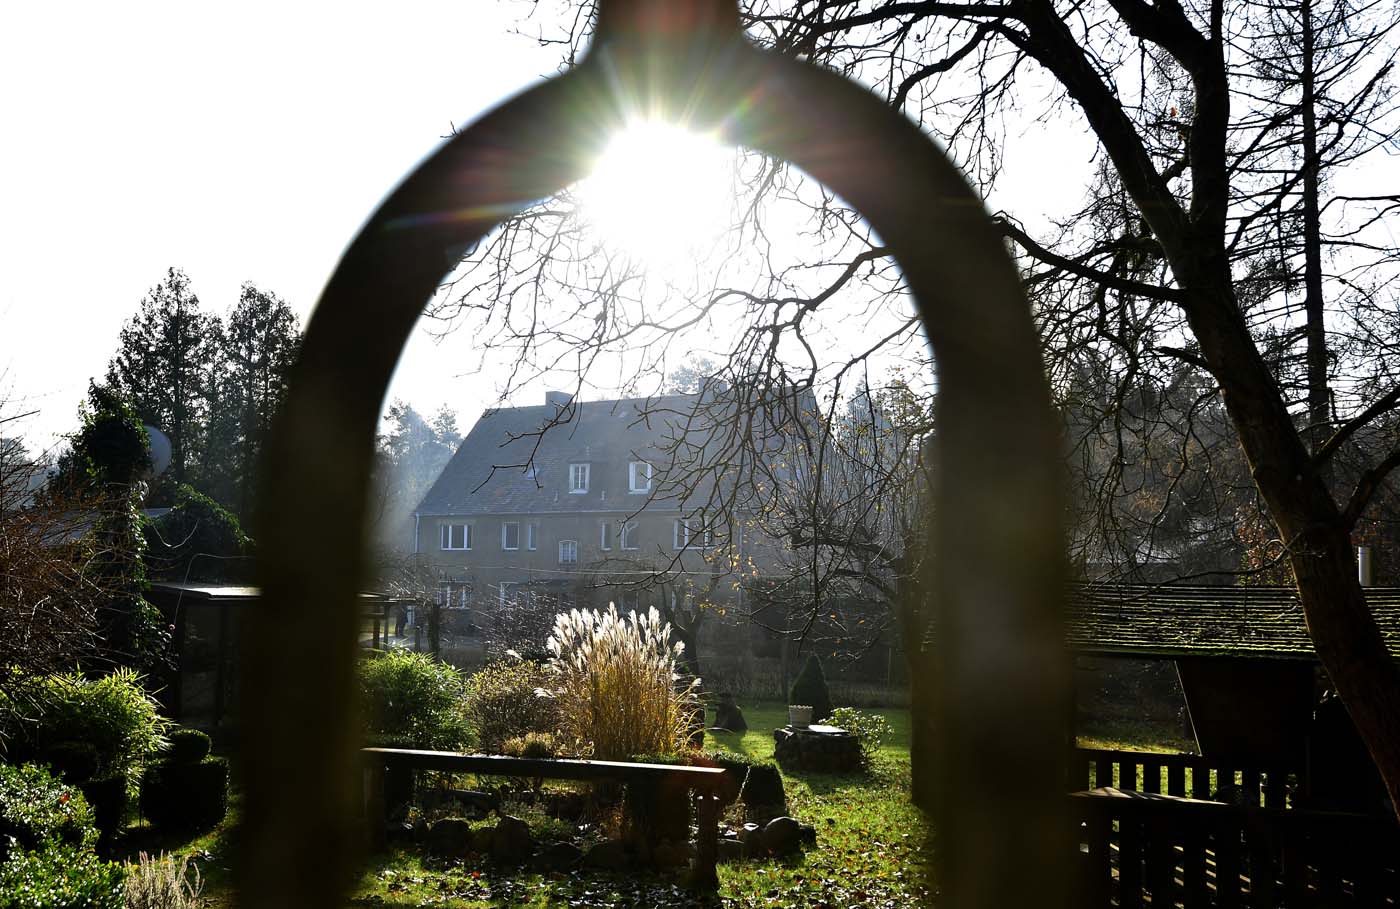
pixel 261 338
pixel 809 688
pixel 164 368
pixel 113 451
pixel 411 455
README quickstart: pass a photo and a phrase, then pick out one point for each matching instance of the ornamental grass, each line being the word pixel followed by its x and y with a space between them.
pixel 616 682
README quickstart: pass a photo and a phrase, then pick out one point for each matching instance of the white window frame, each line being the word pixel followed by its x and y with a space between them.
pixel 577 472
pixel 532 536
pixel 445 537
pixel 572 548
pixel 628 535
pixel 505 536
pixel 639 481
pixel 682 537
pixel 605 535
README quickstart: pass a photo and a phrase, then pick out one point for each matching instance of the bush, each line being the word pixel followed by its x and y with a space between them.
pixel 871 728
pixel 36 808
pixel 188 746
pixel 76 762
pixel 163 883
pixel 60 876
pixel 185 797
pixel 502 703
pixel 109 801
pixel 810 689
pixel 531 745
pixel 617 686
pixel 411 700
pixel 114 714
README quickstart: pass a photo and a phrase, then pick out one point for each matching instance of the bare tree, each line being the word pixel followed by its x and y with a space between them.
pixel 1208 207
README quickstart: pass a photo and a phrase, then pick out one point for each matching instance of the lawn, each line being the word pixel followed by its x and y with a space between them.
pixel 869 849
pixel 868 853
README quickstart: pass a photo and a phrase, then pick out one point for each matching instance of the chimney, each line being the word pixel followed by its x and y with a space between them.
pixel 1365 570
pixel 559 399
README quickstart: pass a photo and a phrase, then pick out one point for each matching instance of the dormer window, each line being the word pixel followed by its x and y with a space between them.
pixel 578 479
pixel 639 476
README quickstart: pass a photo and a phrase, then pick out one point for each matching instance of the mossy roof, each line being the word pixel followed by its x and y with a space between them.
pixel 1261 622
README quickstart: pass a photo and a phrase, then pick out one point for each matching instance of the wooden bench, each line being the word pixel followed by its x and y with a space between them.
pixel 705 782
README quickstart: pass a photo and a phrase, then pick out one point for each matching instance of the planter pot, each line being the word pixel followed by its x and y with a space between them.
pixel 799 717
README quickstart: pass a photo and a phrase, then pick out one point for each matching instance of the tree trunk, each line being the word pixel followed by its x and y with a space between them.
pixel 1319 398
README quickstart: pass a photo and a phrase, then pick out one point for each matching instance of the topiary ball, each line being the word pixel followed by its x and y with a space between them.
pixel 188 746
pixel 76 762
pixel 185 797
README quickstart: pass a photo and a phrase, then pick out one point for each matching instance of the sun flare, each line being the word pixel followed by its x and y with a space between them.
pixel 660 194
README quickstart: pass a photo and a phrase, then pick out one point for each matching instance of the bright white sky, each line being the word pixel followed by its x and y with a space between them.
pixel 243 143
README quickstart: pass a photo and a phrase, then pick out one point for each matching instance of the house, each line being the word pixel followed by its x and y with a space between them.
pixel 579 503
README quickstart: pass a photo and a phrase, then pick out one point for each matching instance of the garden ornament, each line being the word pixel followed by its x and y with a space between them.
pixel 994 645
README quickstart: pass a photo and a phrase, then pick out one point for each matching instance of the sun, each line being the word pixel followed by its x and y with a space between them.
pixel 660 195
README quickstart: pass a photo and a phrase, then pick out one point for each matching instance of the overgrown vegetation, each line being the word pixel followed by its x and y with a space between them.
pixel 163 882
pixel 411 700
pixel 503 701
pixel 871 728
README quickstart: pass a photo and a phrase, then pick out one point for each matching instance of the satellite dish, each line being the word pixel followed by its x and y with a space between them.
pixel 160 450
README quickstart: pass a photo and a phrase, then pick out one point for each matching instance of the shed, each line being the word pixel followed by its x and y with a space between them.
pixel 1247 667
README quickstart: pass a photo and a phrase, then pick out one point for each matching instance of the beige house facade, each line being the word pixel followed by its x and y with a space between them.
pixel 564 503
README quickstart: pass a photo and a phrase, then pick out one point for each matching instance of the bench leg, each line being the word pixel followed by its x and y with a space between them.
pixel 375 808
pixel 705 877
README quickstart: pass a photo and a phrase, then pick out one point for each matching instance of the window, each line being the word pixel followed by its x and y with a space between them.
pixel 568 552
pixel 639 476
pixel 578 478
pixel 605 536
pixel 692 534
pixel 456 536
pixel 629 535
pixel 532 531
pixel 510 535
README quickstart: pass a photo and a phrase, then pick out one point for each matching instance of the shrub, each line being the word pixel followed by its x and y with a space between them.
pixel 163 883
pixel 76 762
pixel 36 808
pixel 809 688
pixel 109 800
pixel 411 700
pixel 185 797
pixel 188 746
pixel 503 702
pixel 531 745
pixel 617 686
pixel 114 714
pixel 871 728
pixel 60 876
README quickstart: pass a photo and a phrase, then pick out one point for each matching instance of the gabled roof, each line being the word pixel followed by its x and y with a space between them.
pixel 1147 621
pixel 487 476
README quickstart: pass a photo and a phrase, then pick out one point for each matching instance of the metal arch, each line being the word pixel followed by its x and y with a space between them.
pixel 999 662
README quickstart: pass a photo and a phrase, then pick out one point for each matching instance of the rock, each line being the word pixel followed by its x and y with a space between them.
pixel 782 836
pixel 511 842
pixel 451 837
pixel 730 850
pixel 728 716
pixel 483 840
pixel 749 832
pixel 610 856
pixel 558 857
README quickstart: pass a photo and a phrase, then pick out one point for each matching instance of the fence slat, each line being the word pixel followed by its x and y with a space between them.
pixel 1130 862
pixel 1227 844
pixel 1249 786
pixel 1152 776
pixel 1176 779
pixel 1276 789
pixel 1193 864
pixel 1200 780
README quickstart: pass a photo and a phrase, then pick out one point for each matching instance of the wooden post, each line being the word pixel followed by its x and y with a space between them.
pixel 705 878
pixel 375 819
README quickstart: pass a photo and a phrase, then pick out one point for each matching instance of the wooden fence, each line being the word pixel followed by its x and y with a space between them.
pixel 1136 849
pixel 1269 786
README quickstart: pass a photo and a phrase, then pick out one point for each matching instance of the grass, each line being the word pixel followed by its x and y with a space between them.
pixel 869 853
